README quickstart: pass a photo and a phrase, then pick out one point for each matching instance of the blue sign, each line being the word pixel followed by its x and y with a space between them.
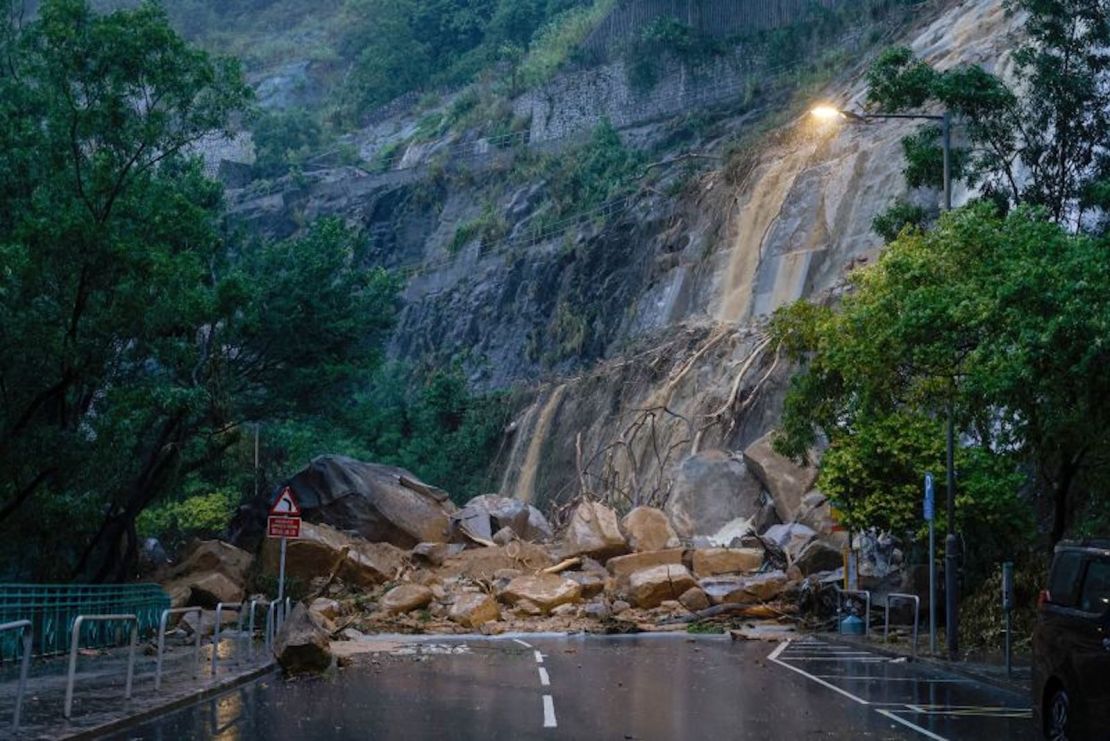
pixel 930 498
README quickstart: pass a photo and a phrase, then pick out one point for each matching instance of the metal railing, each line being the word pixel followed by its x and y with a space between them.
pixel 53 608
pixel 220 607
pixel 867 609
pixel 162 641
pixel 26 634
pixel 916 615
pixel 133 620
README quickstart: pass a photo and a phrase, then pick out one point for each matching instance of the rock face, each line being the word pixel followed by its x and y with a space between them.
pixel 544 591
pixel 320 548
pixel 484 516
pixel 653 586
pixel 787 481
pixel 381 503
pixel 622 567
pixel 594 531
pixel 711 490
pixel 406 598
pixel 714 561
pixel 648 529
pixel 302 646
pixel 472 610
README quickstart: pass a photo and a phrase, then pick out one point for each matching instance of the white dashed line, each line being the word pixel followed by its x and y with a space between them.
pixel 539 657
pixel 549 712
pixel 526 644
pixel 924 732
pixel 544 679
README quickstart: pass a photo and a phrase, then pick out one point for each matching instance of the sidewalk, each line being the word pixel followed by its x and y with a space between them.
pixel 98 696
pixel 987 669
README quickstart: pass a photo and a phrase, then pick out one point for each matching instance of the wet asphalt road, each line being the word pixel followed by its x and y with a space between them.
pixel 631 687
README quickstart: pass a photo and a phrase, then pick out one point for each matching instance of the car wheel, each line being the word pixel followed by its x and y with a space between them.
pixel 1059 719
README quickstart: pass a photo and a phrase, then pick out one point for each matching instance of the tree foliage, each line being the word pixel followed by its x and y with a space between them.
pixel 1040 142
pixel 1005 321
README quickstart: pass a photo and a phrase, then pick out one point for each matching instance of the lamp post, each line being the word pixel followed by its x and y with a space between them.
pixel 832 113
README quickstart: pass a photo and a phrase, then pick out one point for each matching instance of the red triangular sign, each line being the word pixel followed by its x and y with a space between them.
pixel 286 504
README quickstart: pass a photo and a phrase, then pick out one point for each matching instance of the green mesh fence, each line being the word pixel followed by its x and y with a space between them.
pixel 52 609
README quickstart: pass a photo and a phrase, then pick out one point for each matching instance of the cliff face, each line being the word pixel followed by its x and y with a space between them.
pixel 638 329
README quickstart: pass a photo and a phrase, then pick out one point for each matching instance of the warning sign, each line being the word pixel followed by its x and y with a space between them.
pixel 284 527
pixel 286 504
pixel 285 516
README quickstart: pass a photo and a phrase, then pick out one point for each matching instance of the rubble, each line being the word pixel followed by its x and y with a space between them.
pixel 594 531
pixel 715 561
pixel 406 598
pixel 543 592
pixel 474 610
pixel 652 586
pixel 322 550
pixel 649 529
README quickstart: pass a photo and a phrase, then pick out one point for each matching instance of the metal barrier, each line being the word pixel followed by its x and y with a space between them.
pixel 81 619
pixel 53 608
pixel 27 634
pixel 867 610
pixel 238 607
pixel 916 615
pixel 162 641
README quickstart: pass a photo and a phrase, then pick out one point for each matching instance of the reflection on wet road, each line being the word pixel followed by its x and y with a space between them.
pixel 628 687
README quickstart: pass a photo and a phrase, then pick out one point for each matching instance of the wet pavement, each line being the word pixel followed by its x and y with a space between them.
pixel 621 687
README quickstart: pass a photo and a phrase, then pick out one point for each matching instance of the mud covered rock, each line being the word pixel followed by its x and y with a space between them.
pixel 210 589
pixel 622 567
pixel 714 561
pixel 694 599
pixel 321 548
pixel 406 598
pixel 649 529
pixel 472 610
pixel 594 531
pixel 543 591
pixel 652 586
pixel 302 645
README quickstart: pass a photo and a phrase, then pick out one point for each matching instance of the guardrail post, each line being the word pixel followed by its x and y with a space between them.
pixel 916 615
pixel 26 631
pixel 162 641
pixel 216 632
pixel 75 641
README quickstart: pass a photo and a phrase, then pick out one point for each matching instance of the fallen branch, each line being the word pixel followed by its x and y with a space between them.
pixel 562 566
pixel 735 393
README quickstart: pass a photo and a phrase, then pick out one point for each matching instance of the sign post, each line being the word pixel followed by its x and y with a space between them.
pixel 1008 607
pixel 284 522
pixel 930 517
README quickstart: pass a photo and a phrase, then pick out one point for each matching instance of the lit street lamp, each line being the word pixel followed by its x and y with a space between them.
pixel 827 112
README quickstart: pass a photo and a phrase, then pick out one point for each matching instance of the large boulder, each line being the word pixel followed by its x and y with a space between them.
pixel 816 513
pixel 744 589
pixel 320 548
pixel 786 480
pixel 473 610
pixel 216 556
pixel 792 538
pixel 648 529
pixel 213 572
pixel 210 589
pixel 302 645
pixel 714 561
pixel 653 586
pixel 622 567
pixel 545 591
pixel 711 490
pixel 819 556
pixel 406 598
pixel 382 504
pixel 594 531
pixel 484 516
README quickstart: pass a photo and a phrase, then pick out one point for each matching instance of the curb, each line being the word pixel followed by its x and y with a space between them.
pixel 1015 686
pixel 155 712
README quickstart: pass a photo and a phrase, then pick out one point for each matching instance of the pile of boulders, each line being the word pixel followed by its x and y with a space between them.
pixel 382 552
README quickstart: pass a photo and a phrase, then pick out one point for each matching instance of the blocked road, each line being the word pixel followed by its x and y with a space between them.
pixel 626 687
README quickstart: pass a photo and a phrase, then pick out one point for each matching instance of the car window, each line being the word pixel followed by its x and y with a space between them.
pixel 1096 588
pixel 1063 586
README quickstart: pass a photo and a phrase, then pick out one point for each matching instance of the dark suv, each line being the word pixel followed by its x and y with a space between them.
pixel 1071 644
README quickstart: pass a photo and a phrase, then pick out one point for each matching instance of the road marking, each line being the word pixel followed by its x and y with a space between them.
pixel 526 644
pixel 894 679
pixel 539 657
pixel 914 726
pixel 549 712
pixel 544 679
pixel 775 658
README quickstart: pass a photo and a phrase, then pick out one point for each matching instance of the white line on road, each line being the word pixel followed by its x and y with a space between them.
pixel 526 644
pixel 544 679
pixel 539 657
pixel 894 679
pixel 549 712
pixel 775 658
pixel 914 726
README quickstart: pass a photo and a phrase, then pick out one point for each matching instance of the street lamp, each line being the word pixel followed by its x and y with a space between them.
pixel 826 112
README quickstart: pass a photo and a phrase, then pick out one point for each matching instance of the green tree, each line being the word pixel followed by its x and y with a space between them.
pixel 1001 319
pixel 1050 126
